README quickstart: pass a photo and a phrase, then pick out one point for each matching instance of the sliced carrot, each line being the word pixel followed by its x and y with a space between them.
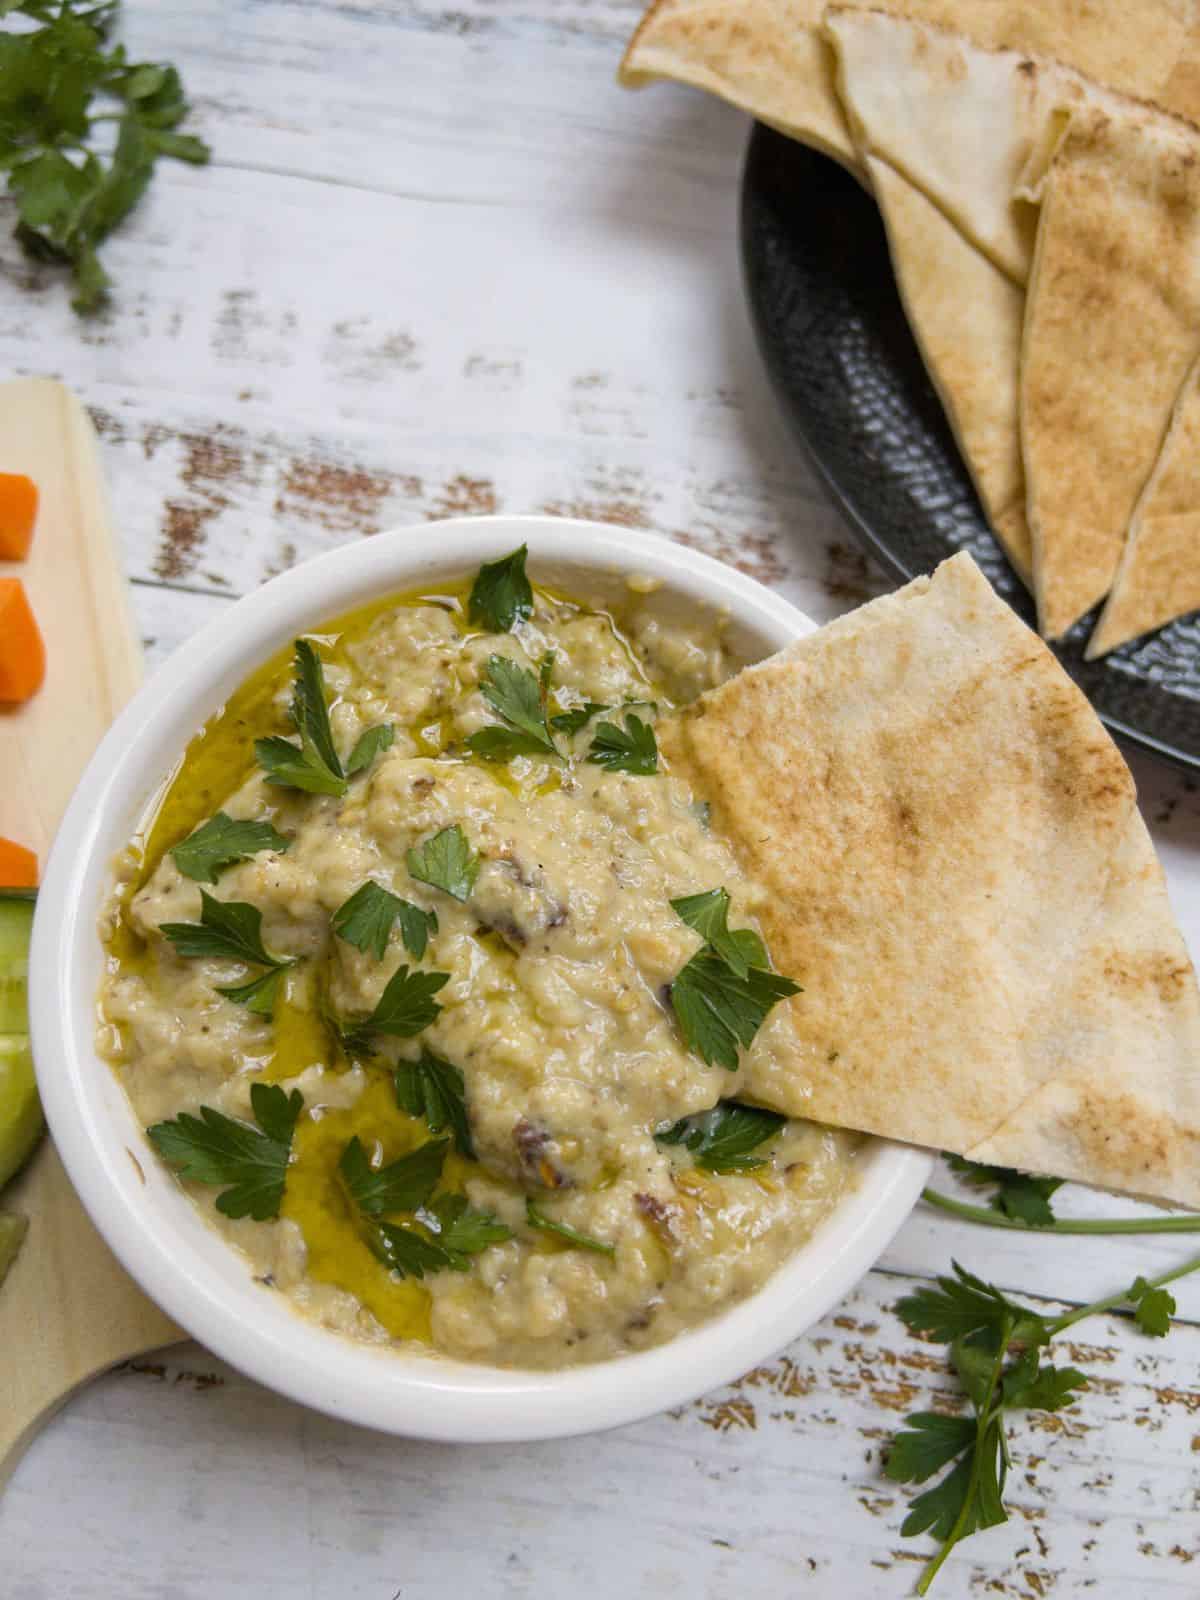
pixel 18 866
pixel 22 653
pixel 18 513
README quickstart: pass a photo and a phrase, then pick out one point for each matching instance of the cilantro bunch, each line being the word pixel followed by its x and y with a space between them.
pixel 61 78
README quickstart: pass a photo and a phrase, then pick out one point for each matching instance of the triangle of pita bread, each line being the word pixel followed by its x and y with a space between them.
pixel 957 875
pixel 768 56
pixel 967 317
pixel 1159 575
pixel 1112 324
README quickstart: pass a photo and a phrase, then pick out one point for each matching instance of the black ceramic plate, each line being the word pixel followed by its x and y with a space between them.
pixel 849 376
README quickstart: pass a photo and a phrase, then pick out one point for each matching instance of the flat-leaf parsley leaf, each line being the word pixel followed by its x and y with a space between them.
pixel 215 1149
pixel 501 594
pixel 719 1011
pixel 517 698
pixel 723 1138
pixel 401 1185
pixel 447 862
pixel 219 842
pixel 436 1090
pixel 365 921
pixel 631 749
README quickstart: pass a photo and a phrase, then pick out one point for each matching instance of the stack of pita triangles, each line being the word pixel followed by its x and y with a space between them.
pixel 1044 225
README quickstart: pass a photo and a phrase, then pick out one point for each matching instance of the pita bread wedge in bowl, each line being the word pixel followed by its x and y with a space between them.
pixel 960 881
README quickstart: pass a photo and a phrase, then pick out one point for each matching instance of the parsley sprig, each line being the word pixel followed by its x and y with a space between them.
pixel 442 1233
pixel 632 748
pixel 58 80
pixel 436 1090
pixel 314 766
pixel 724 1138
pixel 220 842
pixel 215 1149
pixel 405 1008
pixel 447 862
pixel 538 1220
pixel 720 1010
pixel 501 595
pixel 231 929
pixel 1022 1201
pixel 365 920
pixel 518 697
pixel 995 1346
pixel 402 1185
pixel 708 914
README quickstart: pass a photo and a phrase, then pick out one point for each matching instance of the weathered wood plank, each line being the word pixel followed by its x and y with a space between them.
pixel 773 1484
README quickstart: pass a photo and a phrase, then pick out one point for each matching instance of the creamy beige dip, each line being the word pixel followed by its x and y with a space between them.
pixel 556 1012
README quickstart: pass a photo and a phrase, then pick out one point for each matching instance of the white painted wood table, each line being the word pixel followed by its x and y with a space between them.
pixel 440 263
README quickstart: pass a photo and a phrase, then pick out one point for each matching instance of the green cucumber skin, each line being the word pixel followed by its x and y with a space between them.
pixel 21 1119
pixel 16 924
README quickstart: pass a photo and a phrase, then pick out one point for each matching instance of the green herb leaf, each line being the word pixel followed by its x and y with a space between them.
pixel 214 1149
pixel 501 594
pixel 447 862
pixel 965 1305
pixel 708 914
pixel 365 921
pixel 1029 1386
pixel 405 1251
pixel 462 1232
pixel 722 1139
pixel 718 1011
pixel 1153 1308
pixel 514 694
pixel 57 80
pixel 370 744
pixel 933 1441
pixel 436 1090
pixel 405 1008
pixel 631 749
pixel 582 1241
pixel 310 709
pixel 229 928
pixel 221 841
pixel 259 994
pixel 574 721
pixel 403 1185
pixel 1018 1194
pixel 289 766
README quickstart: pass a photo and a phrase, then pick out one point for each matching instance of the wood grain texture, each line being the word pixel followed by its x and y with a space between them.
pixel 67 1311
pixel 441 263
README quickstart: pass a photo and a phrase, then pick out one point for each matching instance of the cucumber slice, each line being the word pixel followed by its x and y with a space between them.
pixel 12 1236
pixel 21 1121
pixel 16 921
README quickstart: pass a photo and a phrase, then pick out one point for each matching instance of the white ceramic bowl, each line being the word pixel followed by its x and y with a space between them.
pixel 149 1222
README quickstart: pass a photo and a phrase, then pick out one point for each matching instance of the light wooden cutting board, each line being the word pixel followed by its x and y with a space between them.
pixel 67 1310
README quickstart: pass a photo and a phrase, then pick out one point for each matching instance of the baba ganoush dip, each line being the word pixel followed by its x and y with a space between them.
pixel 395 982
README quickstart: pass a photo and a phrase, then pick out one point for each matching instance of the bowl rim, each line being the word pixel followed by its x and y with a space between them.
pixel 170 1250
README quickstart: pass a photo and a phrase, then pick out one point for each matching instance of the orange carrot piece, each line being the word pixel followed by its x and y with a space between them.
pixel 22 653
pixel 18 513
pixel 18 866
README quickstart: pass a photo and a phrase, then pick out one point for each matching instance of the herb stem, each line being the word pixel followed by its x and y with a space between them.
pixel 1096 1307
pixel 983 1421
pixel 988 1218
